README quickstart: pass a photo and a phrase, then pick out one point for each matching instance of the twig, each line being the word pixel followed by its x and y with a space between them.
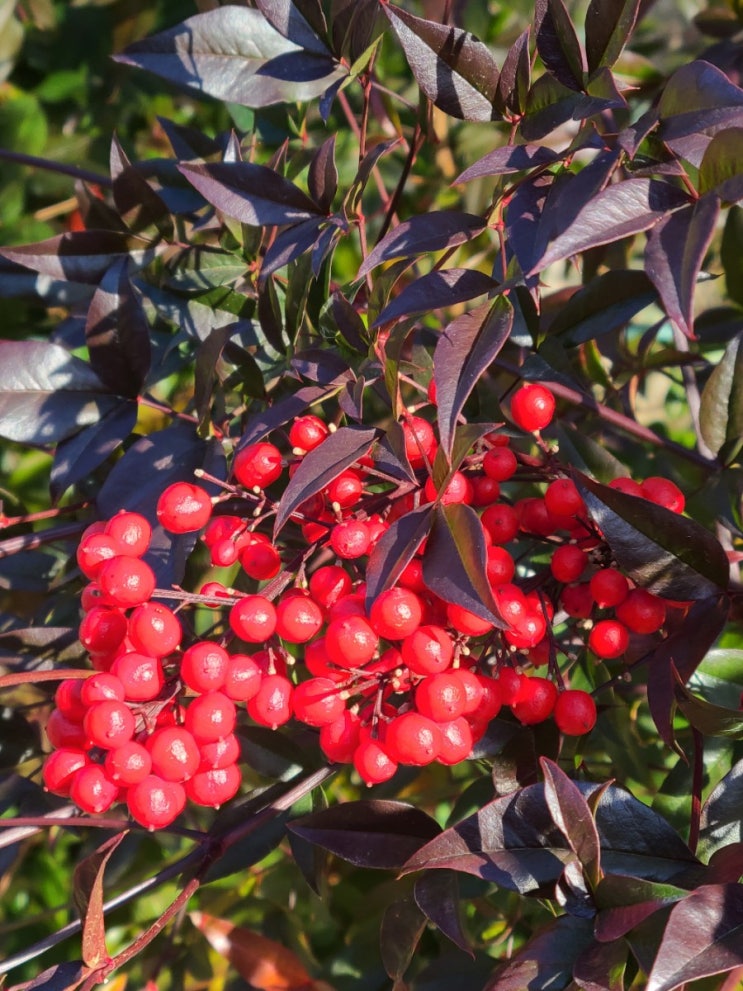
pixel 43 163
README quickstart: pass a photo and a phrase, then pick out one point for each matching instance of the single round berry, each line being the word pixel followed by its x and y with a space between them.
pixel 92 790
pixel 184 507
pixel 458 489
pixel 441 697
pixel 259 558
pixel 101 687
pixel 126 581
pixel 219 753
pixel 609 587
pixel 109 723
pixel 64 732
pixel 562 498
pixel 456 741
pixel 465 621
pixel 420 440
pixel 372 762
pixel 102 629
pixel 60 768
pixel 317 702
pixel 428 650
pixel 350 642
pixel 528 631
pixel 253 618
pixel 204 666
pixel 345 490
pixel 242 678
pixel 534 517
pixel 215 786
pixel 307 432
pixel 68 699
pixel 132 531
pixel 500 566
pixel 536 702
pixel 575 712
pixel 627 485
pixel 608 639
pixel 577 600
pixel 485 491
pixel 501 522
pixel 142 675
pixel 174 752
pixel 94 550
pixel 298 618
pixel 532 407
pixel 211 716
pixel 257 465
pixel 350 539
pixel 154 802
pixel 128 764
pixel 568 563
pixel 642 611
pixel 272 703
pixel 396 613
pixel 339 739
pixel 499 463
pixel 413 739
pixel 663 492
pixel 154 629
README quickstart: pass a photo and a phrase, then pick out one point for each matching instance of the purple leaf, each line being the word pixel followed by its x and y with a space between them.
pixel 288 21
pixel 87 894
pixel 436 894
pixel 138 204
pixel 703 936
pixel 572 816
pixel 547 960
pixel 252 194
pixel 721 821
pixel 117 333
pixel 423 233
pixel 80 256
pixel 454 69
pixel 515 77
pixel 662 551
pixel 674 254
pixel 290 244
pixel 557 43
pixel 622 209
pixel 348 321
pixel 609 24
pixel 234 53
pixel 605 305
pixel 395 549
pixel 437 289
pixel 77 457
pixel 523 218
pixel 721 170
pixel 600 967
pixel 322 178
pixel 60 977
pixel 699 97
pixel 399 934
pixel 47 394
pixel 454 561
pixel 464 352
pixel 624 902
pixel 721 412
pixel 508 159
pixel 337 452
pixel 371 833
pixel 283 411
pixel 550 105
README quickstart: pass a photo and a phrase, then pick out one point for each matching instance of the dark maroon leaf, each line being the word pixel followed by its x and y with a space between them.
pixel 600 967
pixel 60 977
pixel 288 21
pixel 340 450
pixel 557 43
pixel 523 217
pixel 283 411
pixel 80 256
pixel 138 203
pixel 47 393
pixel 726 864
pixel 77 457
pixel 353 197
pixel 704 936
pixel 423 233
pixel 624 902
pixel 721 822
pixel 117 333
pixel 270 317
pixel 551 104
pixel 322 178
pixel 454 561
pixel 699 97
pixel 348 321
pixel 252 194
pixel 515 77
pixel 188 142
pixel 547 960
pixel 324 246
pixel 721 170
pixel 609 24
pixel 663 551
pixel 606 304
pixel 674 254
pixel 464 352
pixel 721 412
pixel 234 53
pixel 436 894
pixel 437 289
pixel 454 69
pixel 369 833
pixel 679 655
pixel 87 893
pixel 622 209
pixel 402 927
pixel 572 816
pixel 395 549
pixel 508 159
pixel 290 244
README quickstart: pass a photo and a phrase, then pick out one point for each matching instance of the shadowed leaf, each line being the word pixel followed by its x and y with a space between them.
pixel 699 97
pixel 80 256
pixel 708 718
pixel 322 178
pixel 625 902
pixel 557 43
pixel 551 104
pixel 721 412
pixel 572 816
pixel 547 959
pixel 607 303
pixel 515 76
pixel 609 24
pixel 721 821
pixel 288 21
pixel 137 202
pixel 423 233
pixel 601 967
pixel 721 170
pixel 402 927
pixel 437 289
pixel 509 159
pixel 437 895
pixel 395 549
pixel 76 457
pixel 87 892
pixel 283 411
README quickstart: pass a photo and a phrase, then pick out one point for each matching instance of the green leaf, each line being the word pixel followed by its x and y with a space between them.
pixel 709 719
pixel 721 170
pixel 721 411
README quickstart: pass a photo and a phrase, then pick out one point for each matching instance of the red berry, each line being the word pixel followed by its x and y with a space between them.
pixel 500 567
pixel 350 539
pixel 456 741
pixel 92 790
pixel 499 463
pixel 441 697
pixel 215 786
pixel 428 650
pixel 528 631
pixel 577 601
pixel 126 581
pixel 345 490
pixel 413 739
pixel 532 406
pixel 101 687
pixel 465 621
pixel 485 490
pixel 132 531
pixel 259 559
pixel 536 702
pixel 396 613
pixel 575 712
pixel 211 716
pixel 317 702
pixel 154 629
pixel 609 587
pixel 372 762
pixel 155 803
pixel 562 498
pixel 272 704
pixel 64 732
pixel 642 611
pixel 534 517
pixel 298 618
pixel 663 492
pixel 94 550
pixel 242 678
pixel 420 440
pixel 128 764
pixel 174 752
pixel 257 465
pixel 608 639
pixel 219 753
pixel 568 563
pixel 350 641
pixel 253 618
pixel 627 485
pixel 307 432
pixel 184 507
pixel 102 629
pixel 204 666
pixel 109 723
pixel 142 676
pixel 60 768
pixel 458 489
pixel 501 522
pixel 339 739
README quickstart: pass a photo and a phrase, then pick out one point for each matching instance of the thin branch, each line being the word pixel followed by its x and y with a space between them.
pixel 43 163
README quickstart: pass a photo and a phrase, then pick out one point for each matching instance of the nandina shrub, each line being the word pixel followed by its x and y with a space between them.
pixel 408 529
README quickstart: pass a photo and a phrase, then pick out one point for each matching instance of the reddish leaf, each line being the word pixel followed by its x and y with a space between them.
pixel 508 159
pixel 288 21
pixel 80 256
pixel 600 967
pixel 550 104
pixel 704 936
pixel 674 254
pixel 337 452
pixel 622 209
pixel 252 194
pixel 464 352
pixel 437 289
pixel 609 24
pixel 515 76
pixel 265 964
pixel 453 68
pixel 454 561
pixel 547 960
pixel 557 43
pixel 402 927
pixel 137 202
pixel 290 244
pixel 625 902
pixel 322 178
pixel 437 895
pixel 395 549
pixel 721 822
pixel 87 893
pixel 699 97
pixel 60 977
pixel 572 816
pixel 283 411
pixel 423 233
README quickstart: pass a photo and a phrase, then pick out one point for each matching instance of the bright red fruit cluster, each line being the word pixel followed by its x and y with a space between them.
pixel 407 678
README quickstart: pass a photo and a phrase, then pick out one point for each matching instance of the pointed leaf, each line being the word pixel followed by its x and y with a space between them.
pixel 283 412
pixel 288 21
pixel 721 821
pixel 437 289
pixel 402 927
pixel 547 960
pixel 699 97
pixel 509 159
pixel 252 194
pixel 601 967
pixel 572 816
pixel 337 452
pixel 369 833
pixel 436 894
pixel 47 394
pixel 605 305
pixel 290 244
pixel 624 902
pixel 395 549
pixel 662 551
pixel 461 77
pixel 721 412
pixel 322 178
pixel 609 24
pixel 622 209
pixel 137 202
pixel 721 170
pixel 60 977
pixel 234 53
pixel 454 561
pixel 708 718
pixel 674 254
pixel 557 43
pixel 77 457
pixel 550 104
pixel 515 76
pixel 80 256
pixel 464 352
pixel 703 936
pixel 117 333
pixel 87 892
pixel 423 233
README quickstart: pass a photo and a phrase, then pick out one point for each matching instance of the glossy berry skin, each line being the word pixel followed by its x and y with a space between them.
pixel 372 762
pixel 101 686
pixel 350 642
pixel 663 492
pixel 154 802
pixel 345 490
pixel 60 768
pixel 210 717
pixel 109 723
pixel 126 581
pixel 132 531
pixel 102 629
pixel 329 584
pixel 350 539
pixel 142 676
pixel 257 465
pixel 396 613
pixel 219 753
pixel 174 753
pixel 128 764
pixel 501 522
pixel 94 550
pixel 184 507
pixel 562 498
pixel 608 639
pixel 642 611
pixel 298 618
pixel 253 618
pixel 568 563
pixel 532 407
pixel 215 786
pixel 272 704
pixel 499 463
pixel 317 702
pixel 339 739
pixel 92 790
pixel 575 712
pixel 413 739
pixel 420 440
pixel 458 489
pixel 609 587
pixel 259 559
pixel 428 650
pixel 536 702
pixel 456 741
pixel 242 678
pixel 441 697
pixel 204 666
pixel 307 432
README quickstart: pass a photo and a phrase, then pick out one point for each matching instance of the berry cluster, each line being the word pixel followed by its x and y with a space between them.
pixel 406 678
